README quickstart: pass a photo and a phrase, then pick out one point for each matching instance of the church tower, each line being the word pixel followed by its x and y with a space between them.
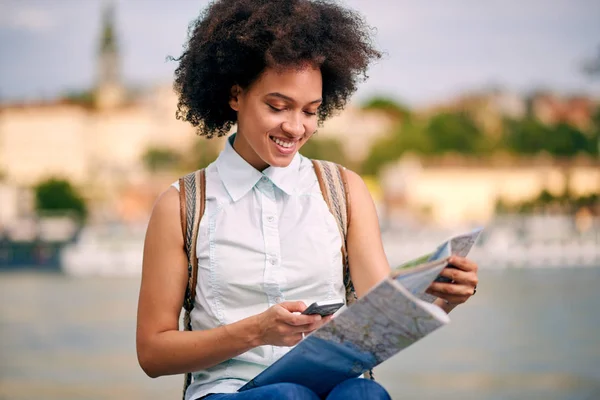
pixel 109 92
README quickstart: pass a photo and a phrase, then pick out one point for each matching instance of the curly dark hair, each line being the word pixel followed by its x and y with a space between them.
pixel 233 41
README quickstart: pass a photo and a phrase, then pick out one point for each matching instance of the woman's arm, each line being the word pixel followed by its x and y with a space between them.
pixel 369 265
pixel 164 350
pixel 366 257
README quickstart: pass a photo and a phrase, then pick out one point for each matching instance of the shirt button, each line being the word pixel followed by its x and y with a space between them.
pixel 270 218
pixel 273 261
pixel 264 179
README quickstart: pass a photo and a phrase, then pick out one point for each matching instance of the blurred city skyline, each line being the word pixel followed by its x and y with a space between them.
pixel 432 53
pixel 89 140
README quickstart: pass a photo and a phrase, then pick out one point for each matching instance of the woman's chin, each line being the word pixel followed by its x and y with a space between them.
pixel 281 161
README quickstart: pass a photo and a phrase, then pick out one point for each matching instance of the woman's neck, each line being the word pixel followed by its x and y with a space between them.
pixel 243 148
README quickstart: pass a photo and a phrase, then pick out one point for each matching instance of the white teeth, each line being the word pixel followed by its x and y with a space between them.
pixel 282 143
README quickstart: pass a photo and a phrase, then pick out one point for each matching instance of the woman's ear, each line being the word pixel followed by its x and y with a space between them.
pixel 234 98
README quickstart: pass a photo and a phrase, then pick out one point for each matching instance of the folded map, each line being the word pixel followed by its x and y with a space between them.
pixel 390 317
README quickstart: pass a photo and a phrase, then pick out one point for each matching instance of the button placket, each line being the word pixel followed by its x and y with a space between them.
pixel 272 275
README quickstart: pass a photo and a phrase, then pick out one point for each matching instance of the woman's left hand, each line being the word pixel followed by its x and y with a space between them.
pixel 463 274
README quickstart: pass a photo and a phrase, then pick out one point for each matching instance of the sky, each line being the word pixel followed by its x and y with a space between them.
pixel 434 49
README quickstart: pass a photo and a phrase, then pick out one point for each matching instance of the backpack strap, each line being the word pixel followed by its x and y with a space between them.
pixel 192 197
pixel 334 187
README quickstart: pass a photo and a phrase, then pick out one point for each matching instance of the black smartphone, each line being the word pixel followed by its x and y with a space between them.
pixel 324 308
pixel 443 279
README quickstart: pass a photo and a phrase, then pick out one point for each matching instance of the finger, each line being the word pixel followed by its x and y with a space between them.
pixel 293 306
pixel 460 276
pixel 462 263
pixel 299 319
pixel 451 299
pixel 307 330
pixel 450 289
pixel 316 325
pixel 312 326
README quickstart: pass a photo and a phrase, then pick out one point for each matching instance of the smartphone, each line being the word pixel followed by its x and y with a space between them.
pixel 443 279
pixel 324 308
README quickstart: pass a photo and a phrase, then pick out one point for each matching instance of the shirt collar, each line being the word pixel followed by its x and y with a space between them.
pixel 239 177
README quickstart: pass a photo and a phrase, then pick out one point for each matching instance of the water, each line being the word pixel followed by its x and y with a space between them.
pixel 527 334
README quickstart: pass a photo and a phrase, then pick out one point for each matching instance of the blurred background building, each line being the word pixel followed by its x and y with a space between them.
pixel 120 147
pixel 482 114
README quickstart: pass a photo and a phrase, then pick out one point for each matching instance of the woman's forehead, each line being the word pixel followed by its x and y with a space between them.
pixel 302 85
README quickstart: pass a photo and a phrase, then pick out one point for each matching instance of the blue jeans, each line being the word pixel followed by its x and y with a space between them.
pixel 356 388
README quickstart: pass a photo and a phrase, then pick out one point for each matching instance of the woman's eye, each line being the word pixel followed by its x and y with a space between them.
pixel 310 113
pixel 275 108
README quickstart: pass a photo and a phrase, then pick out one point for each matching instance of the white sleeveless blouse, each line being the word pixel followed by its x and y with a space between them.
pixel 264 238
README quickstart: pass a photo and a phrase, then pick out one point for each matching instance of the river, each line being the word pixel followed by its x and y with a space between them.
pixel 527 334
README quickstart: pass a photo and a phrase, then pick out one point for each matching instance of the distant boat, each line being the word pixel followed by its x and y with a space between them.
pixel 107 250
pixel 535 242
pixel 513 242
pixel 30 255
pixel 36 244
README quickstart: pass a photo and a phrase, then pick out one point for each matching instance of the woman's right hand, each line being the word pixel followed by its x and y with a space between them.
pixel 284 325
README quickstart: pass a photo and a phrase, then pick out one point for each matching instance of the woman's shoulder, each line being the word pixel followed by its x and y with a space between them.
pixel 167 203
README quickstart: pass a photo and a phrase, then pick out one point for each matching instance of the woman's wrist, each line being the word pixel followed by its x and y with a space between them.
pixel 444 305
pixel 246 331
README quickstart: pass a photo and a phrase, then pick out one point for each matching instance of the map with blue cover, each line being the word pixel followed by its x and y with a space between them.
pixel 386 320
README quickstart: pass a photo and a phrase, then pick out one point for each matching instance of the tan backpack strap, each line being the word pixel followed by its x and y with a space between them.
pixel 182 211
pixel 192 204
pixel 192 198
pixel 343 173
pixel 333 182
pixel 334 187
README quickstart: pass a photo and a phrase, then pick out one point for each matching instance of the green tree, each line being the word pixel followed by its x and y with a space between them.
pixel 384 151
pixel 84 98
pixel 566 140
pixel 329 149
pixel 595 132
pixel 530 136
pixel 456 132
pixel 408 136
pixel 526 136
pixel 156 159
pixel 204 152
pixel 58 195
pixel 389 106
pixel 443 133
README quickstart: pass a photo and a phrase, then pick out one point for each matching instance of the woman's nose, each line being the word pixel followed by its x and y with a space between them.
pixel 293 126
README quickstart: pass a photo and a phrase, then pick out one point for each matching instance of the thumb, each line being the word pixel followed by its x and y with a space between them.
pixel 293 306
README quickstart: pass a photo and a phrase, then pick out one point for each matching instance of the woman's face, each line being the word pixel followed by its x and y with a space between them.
pixel 276 115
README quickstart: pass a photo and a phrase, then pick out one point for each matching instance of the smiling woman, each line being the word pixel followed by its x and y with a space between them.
pixel 267 242
pixel 276 115
pixel 234 42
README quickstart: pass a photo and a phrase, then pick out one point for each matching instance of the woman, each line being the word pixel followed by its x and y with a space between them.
pixel 267 243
